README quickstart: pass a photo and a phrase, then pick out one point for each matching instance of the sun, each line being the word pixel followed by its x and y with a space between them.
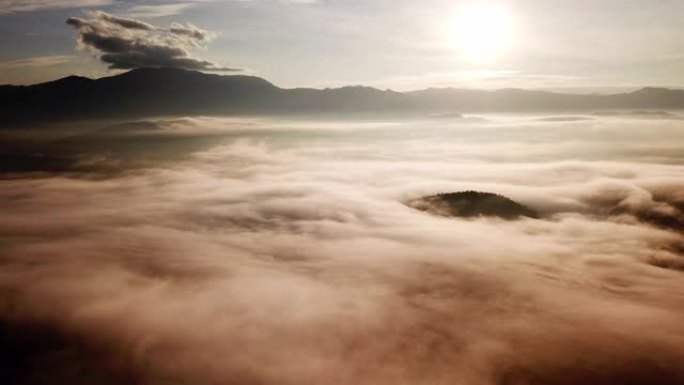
pixel 483 32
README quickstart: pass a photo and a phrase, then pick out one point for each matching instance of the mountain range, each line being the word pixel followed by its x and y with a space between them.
pixel 175 92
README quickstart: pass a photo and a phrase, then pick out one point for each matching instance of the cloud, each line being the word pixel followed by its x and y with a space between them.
pixel 116 21
pixel 159 10
pixel 191 31
pixel 270 252
pixel 127 43
pixel 38 62
pixel 12 6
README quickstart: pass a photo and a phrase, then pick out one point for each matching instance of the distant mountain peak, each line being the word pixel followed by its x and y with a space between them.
pixel 656 90
pixel 73 79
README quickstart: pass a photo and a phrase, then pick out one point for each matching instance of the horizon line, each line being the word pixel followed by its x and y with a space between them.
pixel 562 90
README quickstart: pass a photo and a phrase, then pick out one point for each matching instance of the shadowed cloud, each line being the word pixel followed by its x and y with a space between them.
pixel 127 43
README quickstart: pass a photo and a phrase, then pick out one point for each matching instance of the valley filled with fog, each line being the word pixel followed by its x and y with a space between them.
pixel 207 250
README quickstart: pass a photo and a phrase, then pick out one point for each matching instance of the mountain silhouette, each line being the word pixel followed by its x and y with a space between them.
pixel 468 204
pixel 175 92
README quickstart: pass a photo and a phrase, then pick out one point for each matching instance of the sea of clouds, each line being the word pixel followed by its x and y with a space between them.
pixel 263 251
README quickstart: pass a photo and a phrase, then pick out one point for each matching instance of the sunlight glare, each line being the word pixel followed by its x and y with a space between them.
pixel 483 32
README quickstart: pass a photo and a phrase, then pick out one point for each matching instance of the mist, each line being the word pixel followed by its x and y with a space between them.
pixel 208 250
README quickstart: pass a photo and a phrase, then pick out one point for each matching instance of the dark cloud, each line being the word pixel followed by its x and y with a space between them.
pixel 126 43
pixel 282 253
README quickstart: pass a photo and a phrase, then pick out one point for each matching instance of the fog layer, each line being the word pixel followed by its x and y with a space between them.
pixel 219 251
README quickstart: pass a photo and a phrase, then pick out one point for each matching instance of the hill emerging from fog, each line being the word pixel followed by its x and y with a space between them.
pixel 468 204
pixel 166 91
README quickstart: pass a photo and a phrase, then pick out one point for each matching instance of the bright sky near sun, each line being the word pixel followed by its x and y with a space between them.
pixel 399 44
pixel 483 32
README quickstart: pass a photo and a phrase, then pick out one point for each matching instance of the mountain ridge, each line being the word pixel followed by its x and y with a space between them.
pixel 169 91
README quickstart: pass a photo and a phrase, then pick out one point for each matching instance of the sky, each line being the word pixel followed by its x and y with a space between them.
pixel 397 44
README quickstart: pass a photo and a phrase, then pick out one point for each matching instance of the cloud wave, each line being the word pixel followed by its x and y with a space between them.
pixel 283 253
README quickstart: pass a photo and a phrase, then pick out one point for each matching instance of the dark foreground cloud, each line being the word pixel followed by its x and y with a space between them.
pixel 127 43
pixel 283 253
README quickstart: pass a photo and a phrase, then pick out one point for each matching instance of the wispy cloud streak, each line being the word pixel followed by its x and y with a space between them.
pixel 13 6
